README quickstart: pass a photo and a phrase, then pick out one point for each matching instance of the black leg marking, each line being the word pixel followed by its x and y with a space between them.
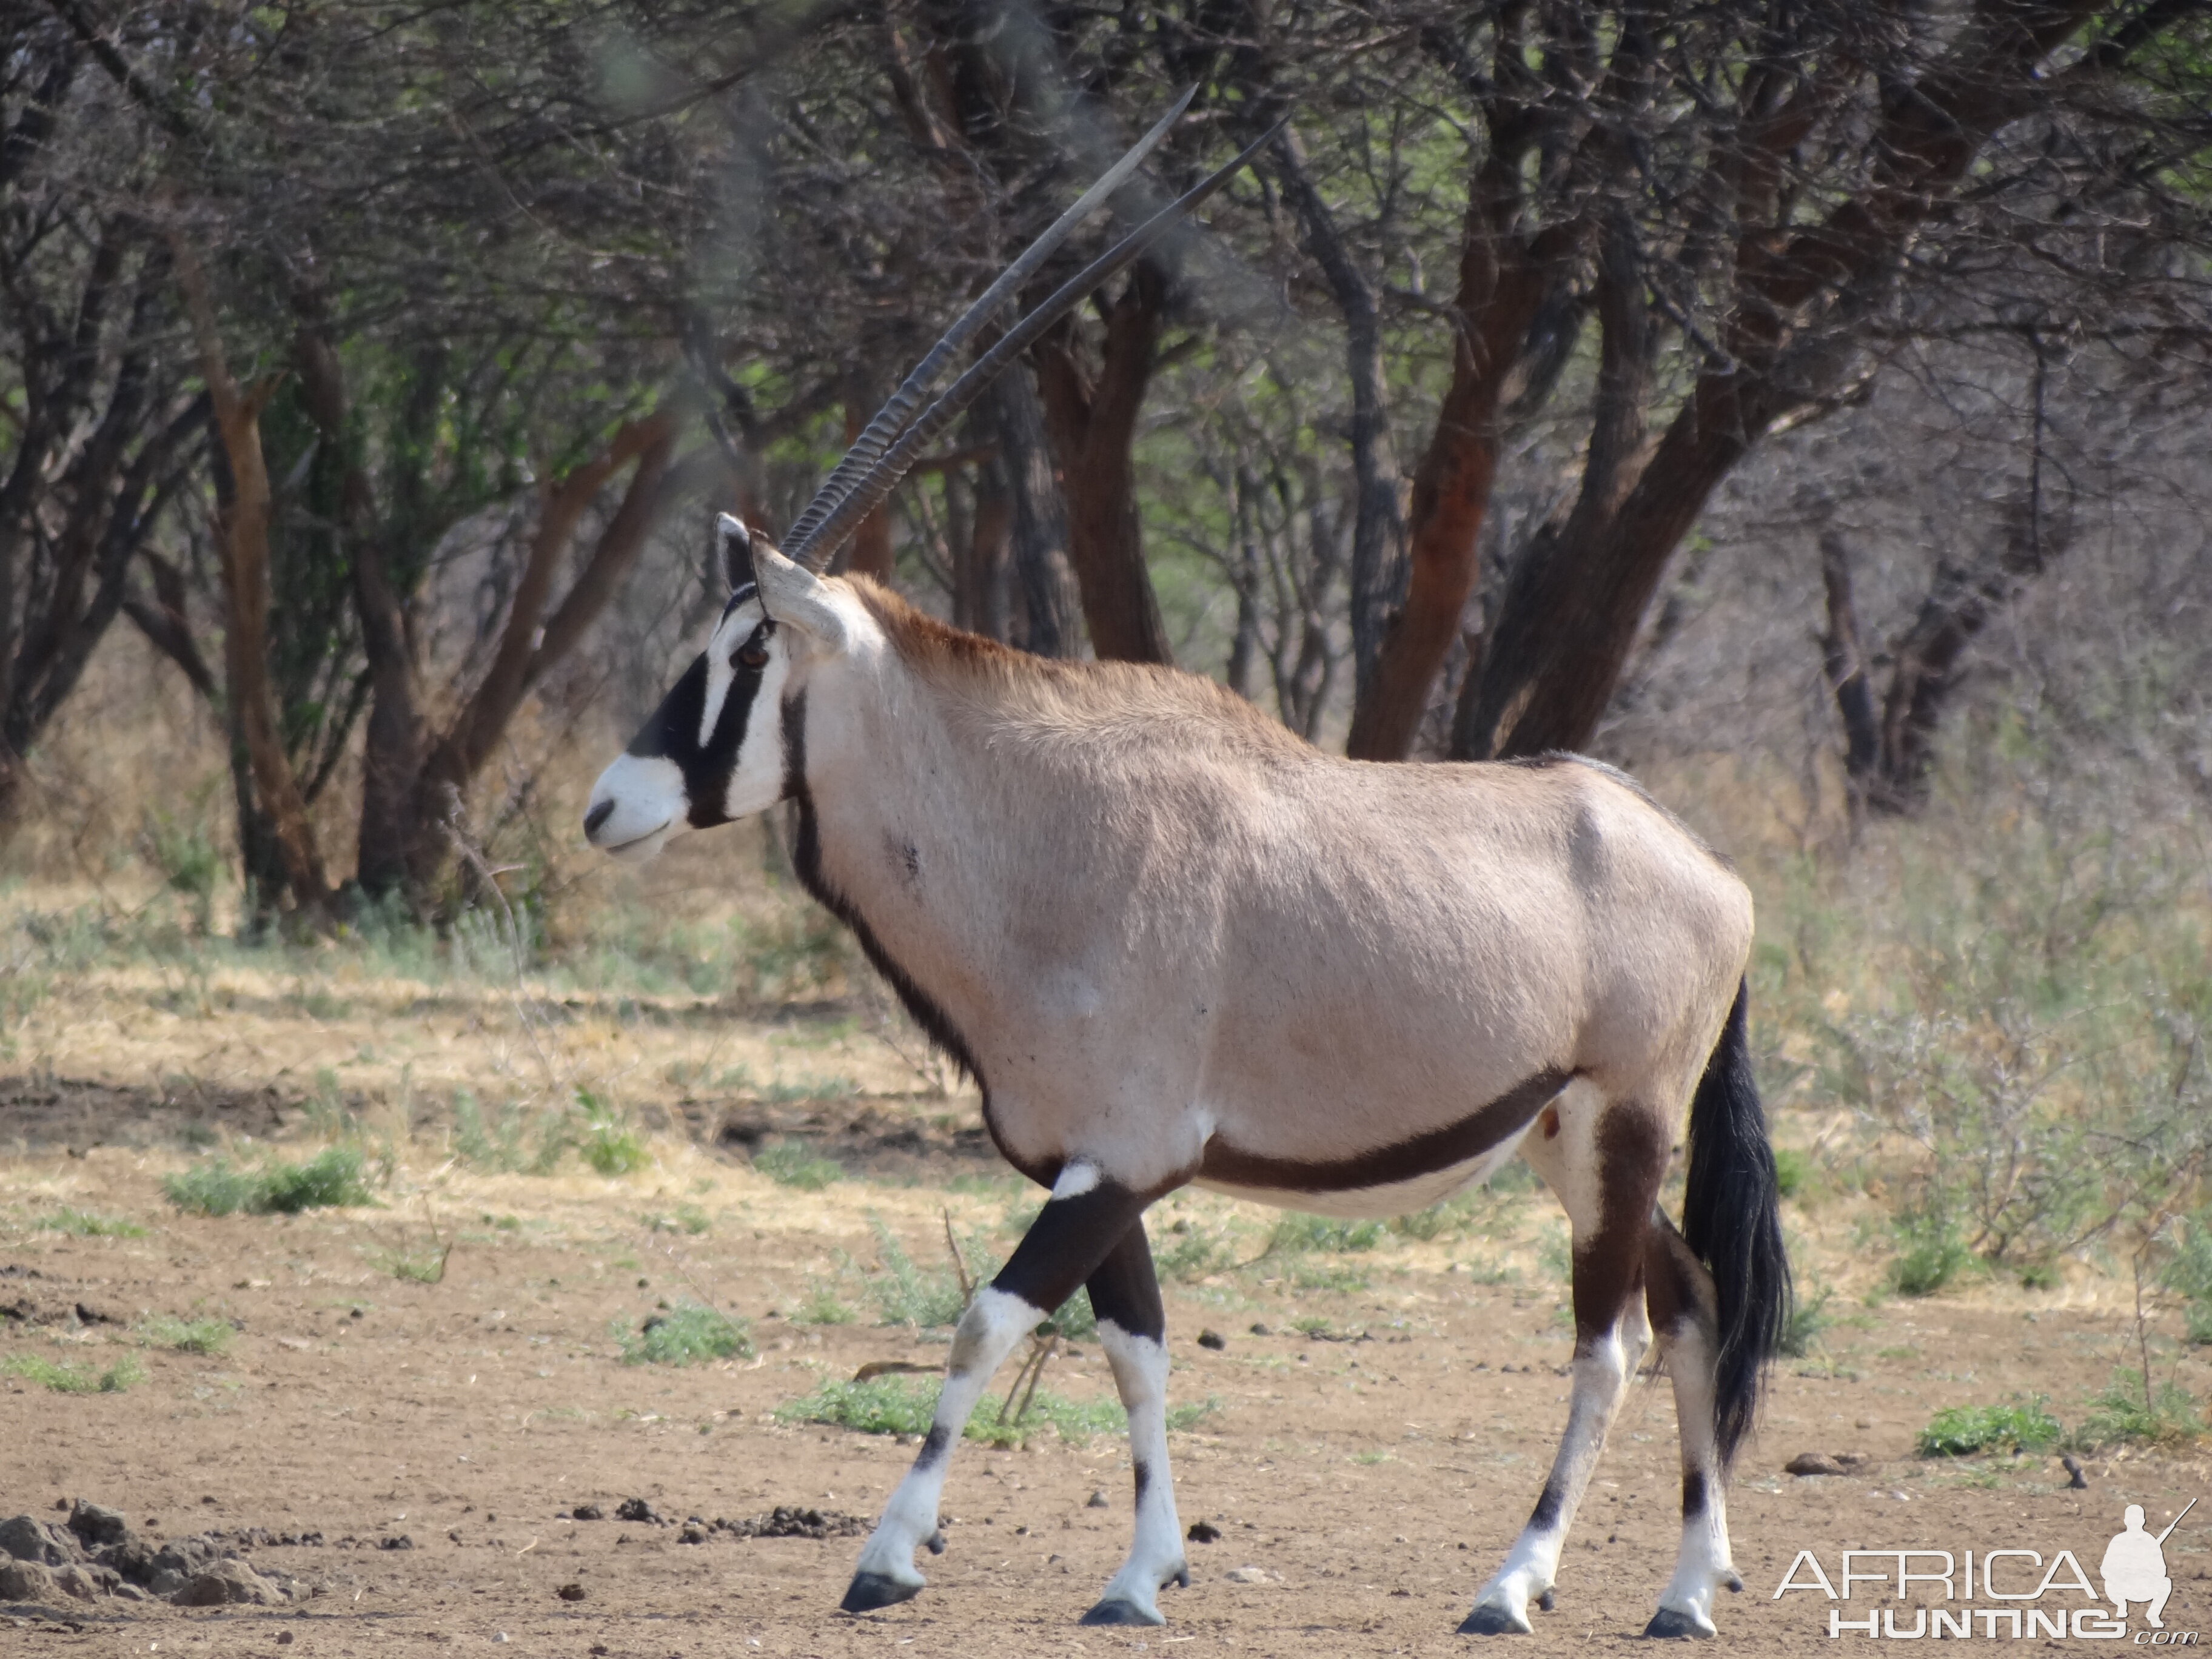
pixel 1693 1493
pixel 1126 1291
pixel 1070 1242
pixel 1546 1515
pixel 934 1445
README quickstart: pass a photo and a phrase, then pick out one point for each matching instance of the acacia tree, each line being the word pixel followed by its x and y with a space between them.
pixel 104 436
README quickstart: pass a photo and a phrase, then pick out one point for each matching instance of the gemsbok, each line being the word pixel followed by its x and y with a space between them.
pixel 1173 943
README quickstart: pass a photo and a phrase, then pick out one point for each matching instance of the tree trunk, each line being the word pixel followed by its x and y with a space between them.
pixel 242 540
pixel 526 652
pixel 1502 283
pixel 1889 751
pixel 1378 535
pixel 1050 612
pixel 1093 423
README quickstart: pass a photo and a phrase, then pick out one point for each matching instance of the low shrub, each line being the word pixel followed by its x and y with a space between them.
pixel 686 1334
pixel 1964 1431
pixel 85 1223
pixel 332 1179
pixel 794 1164
pixel 64 1378
pixel 210 1337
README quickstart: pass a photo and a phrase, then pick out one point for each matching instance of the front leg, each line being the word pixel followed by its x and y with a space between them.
pixel 1125 1293
pixel 1082 1221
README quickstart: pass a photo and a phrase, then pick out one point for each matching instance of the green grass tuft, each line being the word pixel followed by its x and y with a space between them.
pixel 86 1224
pixel 1930 1252
pixel 1303 1234
pixel 793 1163
pixel 1963 1430
pixel 606 1142
pixel 64 1378
pixel 202 1336
pixel 2121 1415
pixel 1793 1171
pixel 330 1179
pixel 686 1334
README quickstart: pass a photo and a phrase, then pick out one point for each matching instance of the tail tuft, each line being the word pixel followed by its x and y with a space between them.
pixel 1732 1221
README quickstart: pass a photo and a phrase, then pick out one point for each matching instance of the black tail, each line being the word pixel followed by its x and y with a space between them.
pixel 1732 1220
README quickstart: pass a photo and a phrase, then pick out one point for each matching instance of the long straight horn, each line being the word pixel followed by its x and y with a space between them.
pixel 884 475
pixel 868 448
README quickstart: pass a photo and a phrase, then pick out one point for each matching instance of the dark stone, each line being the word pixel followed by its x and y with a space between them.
pixel 570 1592
pixel 588 1512
pixel 1203 1532
pixel 97 1526
pixel 1096 1501
pixel 24 1538
pixel 1212 1339
pixel 1262 1330
pixel 636 1509
pixel 402 1542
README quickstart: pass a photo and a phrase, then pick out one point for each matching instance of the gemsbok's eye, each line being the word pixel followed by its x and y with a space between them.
pixel 753 654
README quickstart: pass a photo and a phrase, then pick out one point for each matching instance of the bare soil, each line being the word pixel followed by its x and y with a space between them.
pixel 1373 1476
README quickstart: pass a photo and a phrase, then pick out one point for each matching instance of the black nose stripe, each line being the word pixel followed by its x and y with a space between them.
pixel 598 816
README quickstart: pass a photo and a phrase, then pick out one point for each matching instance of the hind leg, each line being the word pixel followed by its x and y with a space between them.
pixel 1680 1294
pixel 1605 1160
pixel 1125 1294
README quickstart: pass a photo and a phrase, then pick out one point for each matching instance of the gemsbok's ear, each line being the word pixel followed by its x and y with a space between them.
pixel 797 597
pixel 734 543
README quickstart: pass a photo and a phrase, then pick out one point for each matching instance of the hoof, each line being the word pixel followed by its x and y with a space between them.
pixel 1547 1601
pixel 870 1591
pixel 1668 1625
pixel 1115 1611
pixel 1488 1620
pixel 1181 1580
pixel 935 1544
pixel 1735 1582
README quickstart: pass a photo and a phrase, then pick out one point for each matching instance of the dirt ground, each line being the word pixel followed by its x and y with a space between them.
pixel 1366 1461
pixel 1372 1481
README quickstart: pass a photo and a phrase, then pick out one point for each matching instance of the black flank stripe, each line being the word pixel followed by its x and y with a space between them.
pixel 1401 1160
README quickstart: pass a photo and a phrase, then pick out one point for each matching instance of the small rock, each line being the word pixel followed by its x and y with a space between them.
pixel 636 1509
pixel 1813 1464
pixel 25 1538
pixel 1250 1576
pixel 570 1592
pixel 1203 1532
pixel 283 1638
pixel 97 1526
pixel 692 1534
pixel 588 1512
pixel 1097 1501
pixel 81 1582
pixel 27 1581
pixel 402 1542
pixel 1212 1339
pixel 228 1583
pixel 1262 1330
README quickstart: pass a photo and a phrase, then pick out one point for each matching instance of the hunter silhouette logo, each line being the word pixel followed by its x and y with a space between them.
pixel 2133 1568
pixel 2005 1594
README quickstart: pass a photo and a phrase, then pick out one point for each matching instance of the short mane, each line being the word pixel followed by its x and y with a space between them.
pixel 1101 698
